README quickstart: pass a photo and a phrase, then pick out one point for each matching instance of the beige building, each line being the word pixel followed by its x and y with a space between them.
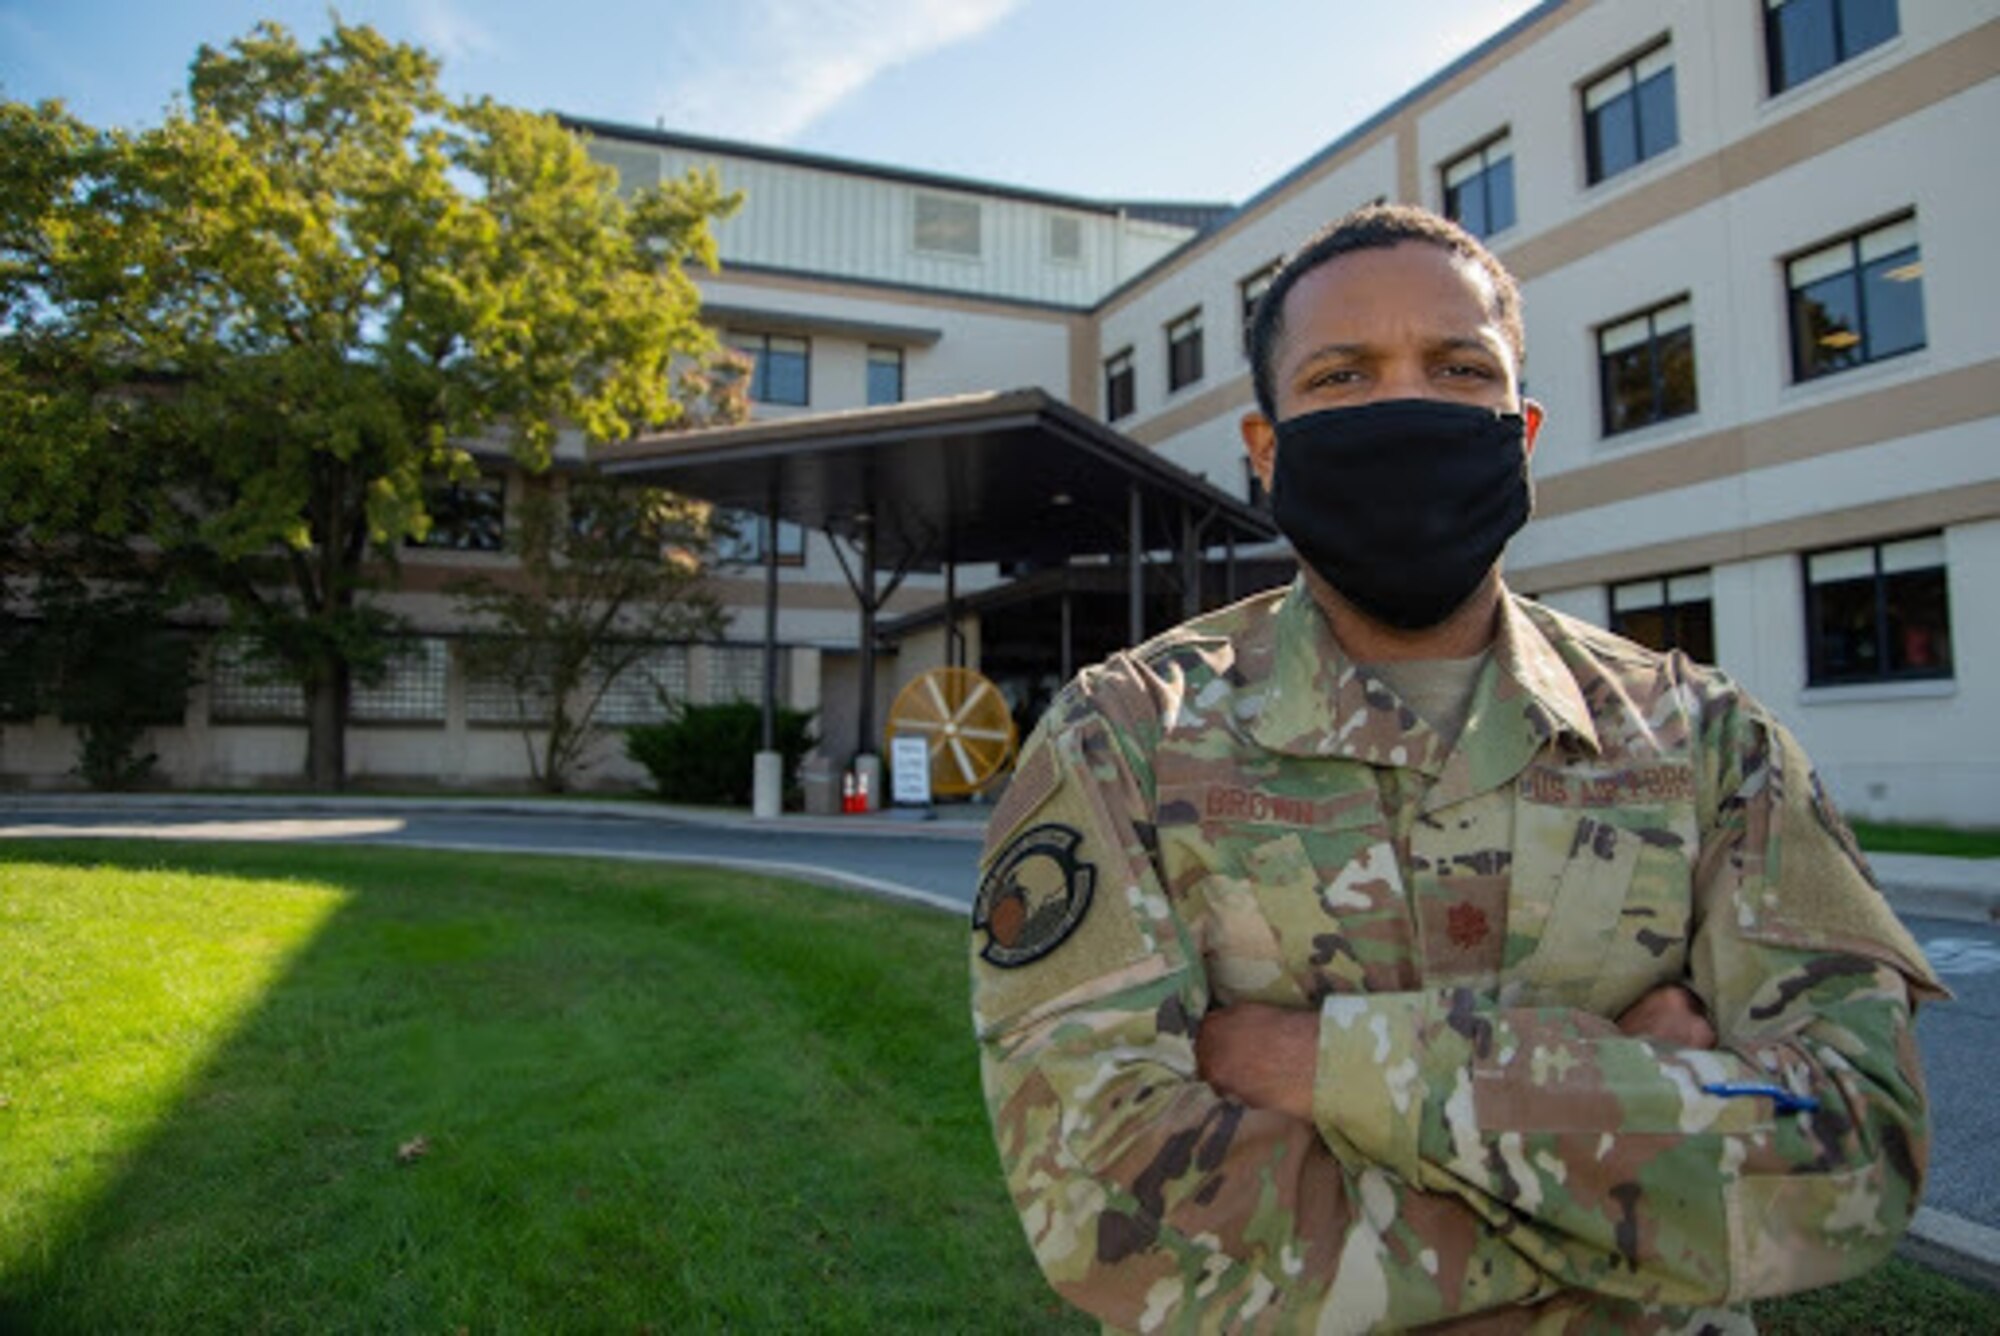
pixel 1757 309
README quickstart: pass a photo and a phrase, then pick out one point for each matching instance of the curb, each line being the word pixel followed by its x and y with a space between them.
pixel 818 876
pixel 1961 904
pixel 968 829
pixel 1963 889
pixel 1950 1244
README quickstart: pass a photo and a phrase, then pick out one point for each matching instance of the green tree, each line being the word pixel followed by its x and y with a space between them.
pixel 606 574
pixel 246 339
pixel 98 653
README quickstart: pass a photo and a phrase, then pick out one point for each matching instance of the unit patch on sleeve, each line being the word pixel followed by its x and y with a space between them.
pixel 1034 895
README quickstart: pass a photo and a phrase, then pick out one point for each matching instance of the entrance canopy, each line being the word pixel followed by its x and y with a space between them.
pixel 1013 476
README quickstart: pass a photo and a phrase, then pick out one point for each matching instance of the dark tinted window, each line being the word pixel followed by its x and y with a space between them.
pixel 1878 612
pixel 1857 300
pixel 1804 38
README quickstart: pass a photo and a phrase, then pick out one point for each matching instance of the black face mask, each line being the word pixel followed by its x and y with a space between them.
pixel 1402 506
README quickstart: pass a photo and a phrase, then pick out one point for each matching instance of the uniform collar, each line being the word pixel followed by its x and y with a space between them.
pixel 1304 697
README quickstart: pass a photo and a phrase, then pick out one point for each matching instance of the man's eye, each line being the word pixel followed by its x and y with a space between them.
pixel 1333 376
pixel 1467 369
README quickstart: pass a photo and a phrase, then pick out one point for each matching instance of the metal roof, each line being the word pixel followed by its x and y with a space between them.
pixel 1013 475
pixel 1157 210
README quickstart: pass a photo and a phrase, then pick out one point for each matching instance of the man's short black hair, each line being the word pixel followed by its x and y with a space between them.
pixel 1374 227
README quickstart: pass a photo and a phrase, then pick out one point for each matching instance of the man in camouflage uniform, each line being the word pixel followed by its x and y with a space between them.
pixel 1340 964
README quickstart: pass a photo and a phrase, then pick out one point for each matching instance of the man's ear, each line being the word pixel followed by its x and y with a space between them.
pixel 1531 414
pixel 1261 443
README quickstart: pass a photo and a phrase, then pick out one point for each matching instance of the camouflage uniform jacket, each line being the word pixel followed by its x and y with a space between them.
pixel 1235 812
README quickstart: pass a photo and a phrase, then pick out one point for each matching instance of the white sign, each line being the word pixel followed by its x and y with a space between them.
pixel 910 771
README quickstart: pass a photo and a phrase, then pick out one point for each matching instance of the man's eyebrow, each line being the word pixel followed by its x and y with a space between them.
pixel 1457 343
pixel 1326 350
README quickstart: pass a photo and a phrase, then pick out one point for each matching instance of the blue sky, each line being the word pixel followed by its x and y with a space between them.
pixel 1181 99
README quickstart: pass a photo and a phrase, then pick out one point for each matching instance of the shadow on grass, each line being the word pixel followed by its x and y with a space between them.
pixel 628 1098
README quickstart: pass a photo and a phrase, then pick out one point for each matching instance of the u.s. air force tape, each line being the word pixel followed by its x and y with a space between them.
pixel 1033 896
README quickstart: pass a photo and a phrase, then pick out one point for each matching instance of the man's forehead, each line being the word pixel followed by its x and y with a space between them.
pixel 1413 289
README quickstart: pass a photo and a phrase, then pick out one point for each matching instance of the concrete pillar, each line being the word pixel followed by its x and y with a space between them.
pixel 767 797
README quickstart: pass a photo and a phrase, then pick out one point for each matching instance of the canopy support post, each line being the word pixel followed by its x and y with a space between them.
pixel 767 776
pixel 1190 566
pixel 865 714
pixel 1068 632
pixel 1135 573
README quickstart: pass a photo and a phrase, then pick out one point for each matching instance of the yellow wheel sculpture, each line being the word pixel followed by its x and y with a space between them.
pixel 965 720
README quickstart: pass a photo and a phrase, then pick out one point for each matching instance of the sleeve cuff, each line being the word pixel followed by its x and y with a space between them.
pixel 1371 1086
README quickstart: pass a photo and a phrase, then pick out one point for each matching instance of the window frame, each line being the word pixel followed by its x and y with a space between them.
pixel 1184 368
pixel 1836 11
pixel 1488 165
pixel 919 226
pixel 662 669
pixel 1118 369
pixel 413 689
pixel 757 346
pixel 746 548
pixel 1051 252
pixel 1629 70
pixel 463 527
pixel 1817 674
pixel 1858 266
pixel 1656 363
pixel 1674 609
pixel 1246 299
pixel 882 355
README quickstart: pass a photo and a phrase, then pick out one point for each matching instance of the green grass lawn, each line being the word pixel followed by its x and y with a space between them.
pixel 653 1099
pixel 650 1099
pixel 1946 840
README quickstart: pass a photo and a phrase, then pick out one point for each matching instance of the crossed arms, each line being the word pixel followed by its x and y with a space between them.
pixel 1396 1159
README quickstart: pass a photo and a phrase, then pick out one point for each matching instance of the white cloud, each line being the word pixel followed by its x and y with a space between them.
pixel 788 62
pixel 1447 35
pixel 448 32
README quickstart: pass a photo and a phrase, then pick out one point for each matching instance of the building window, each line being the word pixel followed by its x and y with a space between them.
pixel 1065 238
pixel 947 226
pixel 246 686
pixel 1119 398
pixel 1184 350
pixel 739 539
pixel 1858 300
pixel 1479 188
pixel 1878 613
pixel 1645 367
pixel 1669 612
pixel 780 366
pixel 1251 290
pixel 885 375
pixel 466 516
pixel 736 673
pixel 648 689
pixel 507 691
pixel 1805 38
pixel 412 687
pixel 1628 115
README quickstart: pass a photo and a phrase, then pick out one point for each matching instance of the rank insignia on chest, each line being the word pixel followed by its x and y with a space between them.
pixel 1034 895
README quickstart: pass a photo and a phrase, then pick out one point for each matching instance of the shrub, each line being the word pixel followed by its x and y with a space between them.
pixel 705 753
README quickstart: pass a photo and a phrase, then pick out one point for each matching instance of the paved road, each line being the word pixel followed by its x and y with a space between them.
pixel 924 865
pixel 935 866
pixel 1959 1053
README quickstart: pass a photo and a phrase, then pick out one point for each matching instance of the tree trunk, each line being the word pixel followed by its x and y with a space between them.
pixel 326 725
